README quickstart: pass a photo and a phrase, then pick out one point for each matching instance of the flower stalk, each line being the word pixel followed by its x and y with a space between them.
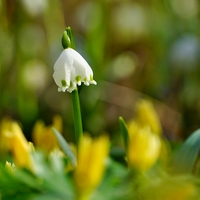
pixel 77 117
pixel 68 41
pixel 70 71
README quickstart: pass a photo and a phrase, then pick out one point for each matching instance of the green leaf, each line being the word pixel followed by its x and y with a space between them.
pixel 65 147
pixel 114 186
pixel 185 158
pixel 124 131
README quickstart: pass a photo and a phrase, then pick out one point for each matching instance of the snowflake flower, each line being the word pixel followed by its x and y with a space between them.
pixel 70 70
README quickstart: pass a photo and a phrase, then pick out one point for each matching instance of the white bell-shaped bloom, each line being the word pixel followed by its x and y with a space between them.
pixel 70 70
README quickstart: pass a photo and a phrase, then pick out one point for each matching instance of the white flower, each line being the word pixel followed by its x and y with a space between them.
pixel 70 70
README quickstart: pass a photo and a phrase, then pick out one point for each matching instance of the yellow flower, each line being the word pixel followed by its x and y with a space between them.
pixel 19 146
pixel 4 142
pixel 165 152
pixel 146 116
pixel 92 155
pixel 183 192
pixel 43 136
pixel 143 147
pixel 178 189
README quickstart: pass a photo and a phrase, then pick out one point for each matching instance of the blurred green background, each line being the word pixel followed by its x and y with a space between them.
pixel 136 49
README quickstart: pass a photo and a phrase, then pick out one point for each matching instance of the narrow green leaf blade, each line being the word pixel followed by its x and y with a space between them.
pixel 124 131
pixel 65 147
pixel 184 160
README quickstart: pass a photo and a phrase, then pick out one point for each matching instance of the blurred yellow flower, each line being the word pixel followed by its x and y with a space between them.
pixel 143 147
pixel 178 189
pixel 92 156
pixel 43 136
pixel 183 192
pixel 4 142
pixel 19 146
pixel 146 116
pixel 165 152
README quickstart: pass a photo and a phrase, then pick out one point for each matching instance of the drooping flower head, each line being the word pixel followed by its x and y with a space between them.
pixel 71 69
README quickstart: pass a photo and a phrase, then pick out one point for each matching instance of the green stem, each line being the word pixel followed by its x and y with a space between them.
pixel 77 117
pixel 68 41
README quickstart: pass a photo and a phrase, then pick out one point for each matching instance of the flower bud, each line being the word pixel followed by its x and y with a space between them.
pixel 143 147
pixel 66 41
pixel 146 116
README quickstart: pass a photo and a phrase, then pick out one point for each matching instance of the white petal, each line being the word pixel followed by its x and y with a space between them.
pixel 72 87
pixel 81 66
pixel 79 61
pixel 65 58
pixel 93 82
pixel 63 74
pixel 86 83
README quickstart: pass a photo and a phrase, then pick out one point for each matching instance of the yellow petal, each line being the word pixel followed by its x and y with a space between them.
pixel 58 123
pixel 143 147
pixel 43 136
pixel 170 189
pixel 91 162
pixel 20 147
pixel 4 129
pixel 147 116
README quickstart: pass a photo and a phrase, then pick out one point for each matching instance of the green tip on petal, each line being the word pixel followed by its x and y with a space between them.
pixel 63 82
pixel 71 84
pixel 91 78
pixel 78 78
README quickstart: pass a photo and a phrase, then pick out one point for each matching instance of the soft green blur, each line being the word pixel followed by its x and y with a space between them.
pixel 135 48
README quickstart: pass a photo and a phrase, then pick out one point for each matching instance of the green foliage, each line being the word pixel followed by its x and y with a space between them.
pixel 185 158
pixel 124 131
pixel 49 181
pixel 65 147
